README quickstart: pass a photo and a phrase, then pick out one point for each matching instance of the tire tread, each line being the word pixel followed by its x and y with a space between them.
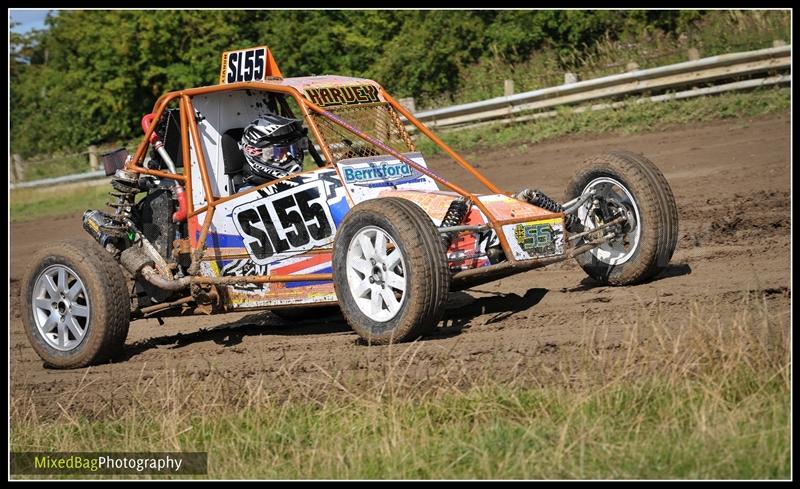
pixel 432 278
pixel 111 302
pixel 656 205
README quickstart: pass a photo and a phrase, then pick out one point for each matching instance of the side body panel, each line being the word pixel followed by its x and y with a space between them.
pixel 284 229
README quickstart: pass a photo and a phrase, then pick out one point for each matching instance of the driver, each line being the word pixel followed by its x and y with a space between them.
pixel 273 147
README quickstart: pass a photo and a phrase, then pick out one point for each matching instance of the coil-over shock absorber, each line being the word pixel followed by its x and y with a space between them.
pixel 109 229
pixel 453 217
pixel 126 186
pixel 539 199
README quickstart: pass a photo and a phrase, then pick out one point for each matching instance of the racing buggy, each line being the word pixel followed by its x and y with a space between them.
pixel 365 225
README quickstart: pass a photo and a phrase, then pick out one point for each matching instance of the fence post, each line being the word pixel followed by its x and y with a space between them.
pixel 408 103
pixel 508 87
pixel 570 78
pixel 94 161
pixel 693 54
pixel 17 168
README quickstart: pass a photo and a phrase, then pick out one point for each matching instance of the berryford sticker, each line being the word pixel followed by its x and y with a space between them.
pixel 383 175
pixel 366 177
pixel 536 239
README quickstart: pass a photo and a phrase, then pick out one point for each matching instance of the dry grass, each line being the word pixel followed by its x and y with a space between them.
pixel 706 396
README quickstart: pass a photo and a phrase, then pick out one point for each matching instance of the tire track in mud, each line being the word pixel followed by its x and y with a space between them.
pixel 731 183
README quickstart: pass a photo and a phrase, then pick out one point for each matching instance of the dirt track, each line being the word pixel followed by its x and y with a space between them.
pixel 731 183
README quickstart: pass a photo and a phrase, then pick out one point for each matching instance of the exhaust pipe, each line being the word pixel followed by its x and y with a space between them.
pixel 136 261
pixel 93 223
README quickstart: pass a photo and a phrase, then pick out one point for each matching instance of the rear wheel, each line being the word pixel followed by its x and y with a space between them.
pixel 77 308
pixel 390 271
pixel 626 184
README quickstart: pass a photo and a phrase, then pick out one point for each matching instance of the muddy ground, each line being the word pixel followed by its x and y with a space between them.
pixel 731 183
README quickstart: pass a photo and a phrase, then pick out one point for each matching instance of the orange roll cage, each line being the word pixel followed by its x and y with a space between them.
pixel 189 127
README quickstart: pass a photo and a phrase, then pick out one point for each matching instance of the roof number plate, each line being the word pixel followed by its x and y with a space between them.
pixel 245 65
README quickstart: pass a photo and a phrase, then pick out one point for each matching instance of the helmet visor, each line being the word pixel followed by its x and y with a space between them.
pixel 279 153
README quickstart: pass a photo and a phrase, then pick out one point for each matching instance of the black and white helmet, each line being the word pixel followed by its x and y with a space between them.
pixel 273 147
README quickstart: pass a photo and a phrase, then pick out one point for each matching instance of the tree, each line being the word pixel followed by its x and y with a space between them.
pixel 91 75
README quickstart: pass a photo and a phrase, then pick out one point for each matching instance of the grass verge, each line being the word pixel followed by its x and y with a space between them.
pixel 705 398
pixel 27 204
pixel 630 119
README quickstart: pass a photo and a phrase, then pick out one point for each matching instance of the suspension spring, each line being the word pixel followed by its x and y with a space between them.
pixel 126 186
pixel 539 199
pixel 453 217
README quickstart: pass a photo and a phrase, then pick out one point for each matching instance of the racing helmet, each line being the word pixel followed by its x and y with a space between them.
pixel 273 147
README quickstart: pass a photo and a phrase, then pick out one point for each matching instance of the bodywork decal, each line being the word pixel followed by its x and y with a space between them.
pixel 343 95
pixel 536 239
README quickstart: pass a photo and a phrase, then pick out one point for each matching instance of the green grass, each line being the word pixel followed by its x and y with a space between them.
pixel 630 119
pixel 33 203
pixel 47 168
pixel 58 164
pixel 704 398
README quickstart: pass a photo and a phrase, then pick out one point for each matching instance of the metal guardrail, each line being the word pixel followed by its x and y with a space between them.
pixel 44 182
pixel 509 108
pixel 664 77
pixel 694 92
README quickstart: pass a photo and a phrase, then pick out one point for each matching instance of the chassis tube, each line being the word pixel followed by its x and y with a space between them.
pixel 476 276
pixel 152 276
pixel 433 137
pixel 198 150
pixel 379 144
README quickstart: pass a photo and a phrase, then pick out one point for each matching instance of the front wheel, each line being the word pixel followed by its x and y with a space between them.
pixel 628 185
pixel 390 271
pixel 77 307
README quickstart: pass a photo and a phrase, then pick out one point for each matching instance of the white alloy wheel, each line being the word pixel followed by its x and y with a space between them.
pixel 61 307
pixel 376 273
pixel 610 191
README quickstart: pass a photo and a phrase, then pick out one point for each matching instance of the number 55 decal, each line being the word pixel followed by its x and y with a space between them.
pixel 284 224
pixel 245 65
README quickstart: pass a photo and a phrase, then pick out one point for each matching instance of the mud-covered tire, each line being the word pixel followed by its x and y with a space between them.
pixel 657 217
pixel 420 269
pixel 82 277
